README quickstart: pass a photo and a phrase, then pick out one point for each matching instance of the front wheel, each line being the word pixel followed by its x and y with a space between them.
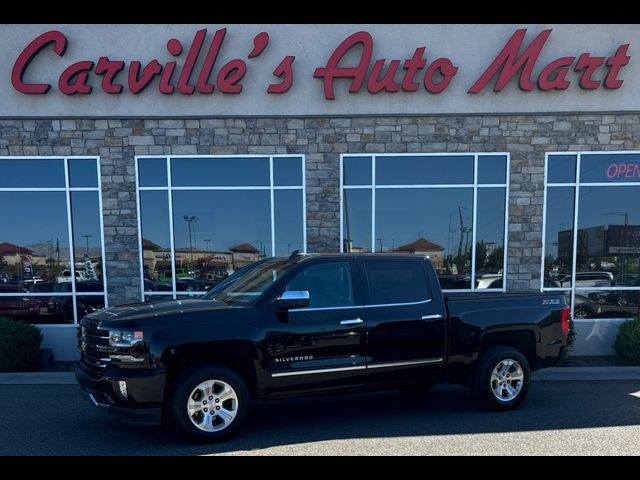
pixel 502 378
pixel 208 403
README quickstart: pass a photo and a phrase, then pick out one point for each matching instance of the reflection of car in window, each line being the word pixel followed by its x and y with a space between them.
pixel 166 276
pixel 65 276
pixel 590 279
pixel 18 307
pixel 489 281
pixel 62 307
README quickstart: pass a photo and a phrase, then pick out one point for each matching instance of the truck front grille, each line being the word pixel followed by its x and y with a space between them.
pixel 94 359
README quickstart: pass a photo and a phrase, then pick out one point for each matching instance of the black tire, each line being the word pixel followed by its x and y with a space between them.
pixel 482 386
pixel 417 389
pixel 582 313
pixel 184 386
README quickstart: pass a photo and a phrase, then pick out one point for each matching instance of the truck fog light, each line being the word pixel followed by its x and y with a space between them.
pixel 123 388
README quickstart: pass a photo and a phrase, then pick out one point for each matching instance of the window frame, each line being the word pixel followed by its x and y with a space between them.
pixel 576 210
pixel 68 190
pixel 475 186
pixel 169 189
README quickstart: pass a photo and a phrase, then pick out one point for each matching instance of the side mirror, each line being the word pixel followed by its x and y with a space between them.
pixel 292 299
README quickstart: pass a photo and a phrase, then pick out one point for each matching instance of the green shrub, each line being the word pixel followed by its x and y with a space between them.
pixel 19 346
pixel 627 344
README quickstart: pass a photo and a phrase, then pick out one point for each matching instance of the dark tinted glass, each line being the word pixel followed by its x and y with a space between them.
pixel 152 172
pixel 396 282
pixel 220 172
pixel 434 222
pixel 287 171
pixel 83 173
pixel 328 284
pixel 357 221
pixel 558 240
pixel 492 169
pixel 34 254
pixel 424 170
pixel 28 173
pixel 39 310
pixel 608 230
pixel 561 168
pixel 608 167
pixel 357 170
pixel 156 239
pixel 490 236
pixel 288 221
pixel 606 304
pixel 33 235
pixel 85 213
pixel 238 222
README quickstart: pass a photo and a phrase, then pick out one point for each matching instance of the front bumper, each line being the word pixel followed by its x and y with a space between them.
pixel 140 403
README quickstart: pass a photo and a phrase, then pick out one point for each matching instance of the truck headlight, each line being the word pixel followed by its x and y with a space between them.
pixel 125 338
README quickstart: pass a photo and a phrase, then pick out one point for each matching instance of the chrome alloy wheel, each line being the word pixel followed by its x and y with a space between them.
pixel 212 405
pixel 507 379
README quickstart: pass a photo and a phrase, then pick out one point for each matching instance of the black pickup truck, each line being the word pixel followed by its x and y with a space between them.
pixel 310 324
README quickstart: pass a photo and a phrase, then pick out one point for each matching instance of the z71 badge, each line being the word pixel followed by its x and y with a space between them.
pixel 551 301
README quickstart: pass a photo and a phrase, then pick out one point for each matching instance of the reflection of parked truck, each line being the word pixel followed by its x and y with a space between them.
pixel 312 324
pixel 65 276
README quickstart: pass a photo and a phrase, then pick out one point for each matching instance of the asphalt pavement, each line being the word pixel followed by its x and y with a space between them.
pixel 559 417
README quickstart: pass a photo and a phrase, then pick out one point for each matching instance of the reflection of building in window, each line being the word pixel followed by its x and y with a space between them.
pixel 246 208
pixel 51 243
pixel 427 248
pixel 244 254
pixel 458 200
pixel 609 247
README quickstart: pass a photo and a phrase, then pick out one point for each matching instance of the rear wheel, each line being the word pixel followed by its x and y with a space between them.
pixel 502 378
pixel 208 403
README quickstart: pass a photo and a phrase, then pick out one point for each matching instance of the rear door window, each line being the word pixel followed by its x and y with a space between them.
pixel 392 282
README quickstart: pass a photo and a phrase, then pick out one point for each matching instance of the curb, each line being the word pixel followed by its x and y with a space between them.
pixel 587 374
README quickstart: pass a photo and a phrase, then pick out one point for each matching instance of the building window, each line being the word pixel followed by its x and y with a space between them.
pixel 449 207
pixel 204 217
pixel 51 214
pixel 592 232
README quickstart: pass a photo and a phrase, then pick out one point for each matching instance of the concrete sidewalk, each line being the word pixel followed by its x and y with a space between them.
pixel 555 374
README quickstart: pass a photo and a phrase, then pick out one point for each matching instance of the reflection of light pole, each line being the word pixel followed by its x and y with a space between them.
pixel 380 242
pixel 87 239
pixel 49 243
pixel 191 220
pixel 624 234
pixel 207 241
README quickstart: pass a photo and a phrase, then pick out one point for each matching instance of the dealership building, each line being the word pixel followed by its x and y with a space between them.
pixel 149 162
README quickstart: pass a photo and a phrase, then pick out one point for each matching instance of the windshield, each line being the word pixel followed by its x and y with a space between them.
pixel 251 283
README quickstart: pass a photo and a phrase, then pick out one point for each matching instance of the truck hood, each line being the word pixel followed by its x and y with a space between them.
pixel 156 309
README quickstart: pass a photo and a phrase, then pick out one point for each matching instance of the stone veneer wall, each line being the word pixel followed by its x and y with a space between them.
pixel 322 140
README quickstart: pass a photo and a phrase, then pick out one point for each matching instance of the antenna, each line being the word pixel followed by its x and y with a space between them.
pixel 294 253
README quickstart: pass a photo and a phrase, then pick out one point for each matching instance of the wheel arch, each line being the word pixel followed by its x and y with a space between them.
pixel 238 356
pixel 522 340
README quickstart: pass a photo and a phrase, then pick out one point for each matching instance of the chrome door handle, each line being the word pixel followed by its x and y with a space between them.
pixel 353 321
pixel 431 317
